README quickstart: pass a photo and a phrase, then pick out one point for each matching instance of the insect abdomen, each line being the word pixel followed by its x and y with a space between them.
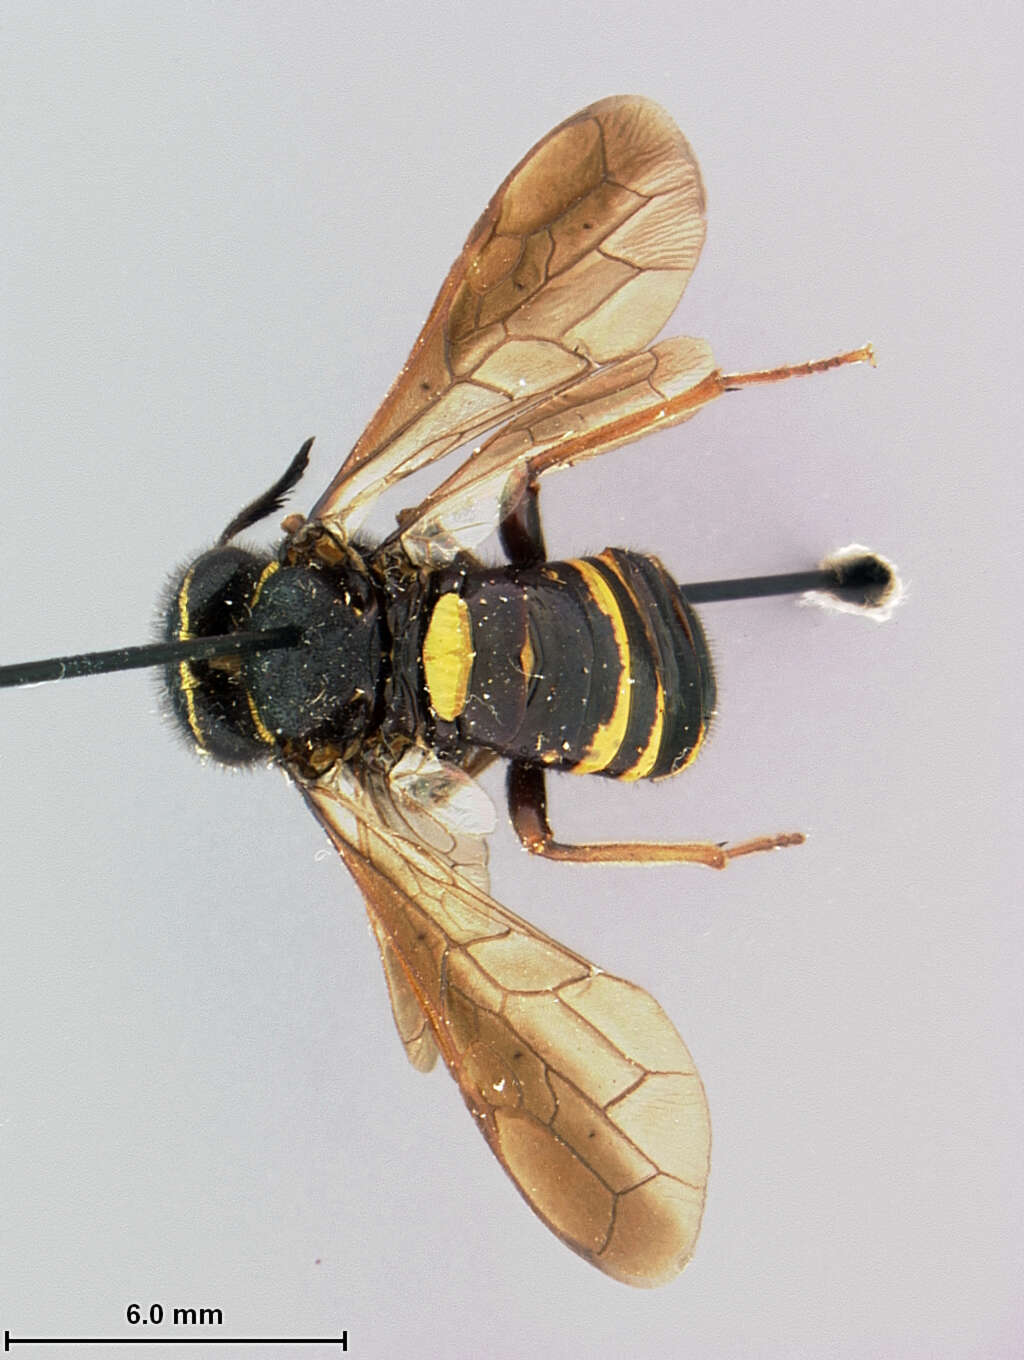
pixel 597 665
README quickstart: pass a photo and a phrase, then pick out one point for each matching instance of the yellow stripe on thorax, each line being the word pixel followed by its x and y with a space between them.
pixel 265 576
pixel 609 736
pixel 448 656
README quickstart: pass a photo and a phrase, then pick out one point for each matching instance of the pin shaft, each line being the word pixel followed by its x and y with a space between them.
pixel 148 654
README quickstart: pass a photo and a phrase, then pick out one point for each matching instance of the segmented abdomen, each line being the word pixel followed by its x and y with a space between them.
pixel 597 665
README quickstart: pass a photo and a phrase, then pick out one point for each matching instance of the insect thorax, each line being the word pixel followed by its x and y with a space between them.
pixel 303 703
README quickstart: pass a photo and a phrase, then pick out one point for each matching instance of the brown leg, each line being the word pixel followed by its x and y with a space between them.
pixel 478 760
pixel 521 534
pixel 527 806
pixel 731 382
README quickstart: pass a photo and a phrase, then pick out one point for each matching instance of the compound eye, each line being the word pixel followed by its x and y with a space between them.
pixel 208 698
pixel 215 593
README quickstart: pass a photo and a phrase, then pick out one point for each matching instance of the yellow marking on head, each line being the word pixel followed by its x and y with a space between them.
pixel 262 730
pixel 448 656
pixel 186 675
pixel 609 736
pixel 188 684
pixel 184 623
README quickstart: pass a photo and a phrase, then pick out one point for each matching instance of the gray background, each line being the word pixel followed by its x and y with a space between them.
pixel 224 225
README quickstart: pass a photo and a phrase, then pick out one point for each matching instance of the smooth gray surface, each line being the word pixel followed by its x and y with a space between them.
pixel 224 226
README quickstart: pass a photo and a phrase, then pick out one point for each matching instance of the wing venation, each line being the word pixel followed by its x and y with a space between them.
pixel 579 1081
pixel 586 248
pixel 662 386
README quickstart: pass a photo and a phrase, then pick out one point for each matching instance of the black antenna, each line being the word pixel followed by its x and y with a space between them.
pixel 273 498
pixel 854 577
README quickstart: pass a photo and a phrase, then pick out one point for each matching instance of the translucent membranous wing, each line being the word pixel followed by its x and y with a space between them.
pixel 578 260
pixel 434 804
pixel 585 1092
pixel 663 386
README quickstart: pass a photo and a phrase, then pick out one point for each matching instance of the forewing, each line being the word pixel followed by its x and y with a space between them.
pixel 663 386
pixel 579 259
pixel 580 1083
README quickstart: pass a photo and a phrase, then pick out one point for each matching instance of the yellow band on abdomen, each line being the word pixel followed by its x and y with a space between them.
pixel 610 735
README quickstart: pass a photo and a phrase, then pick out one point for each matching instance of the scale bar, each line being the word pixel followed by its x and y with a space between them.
pixel 10 1341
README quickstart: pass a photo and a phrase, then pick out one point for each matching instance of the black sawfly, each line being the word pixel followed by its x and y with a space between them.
pixel 382 676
